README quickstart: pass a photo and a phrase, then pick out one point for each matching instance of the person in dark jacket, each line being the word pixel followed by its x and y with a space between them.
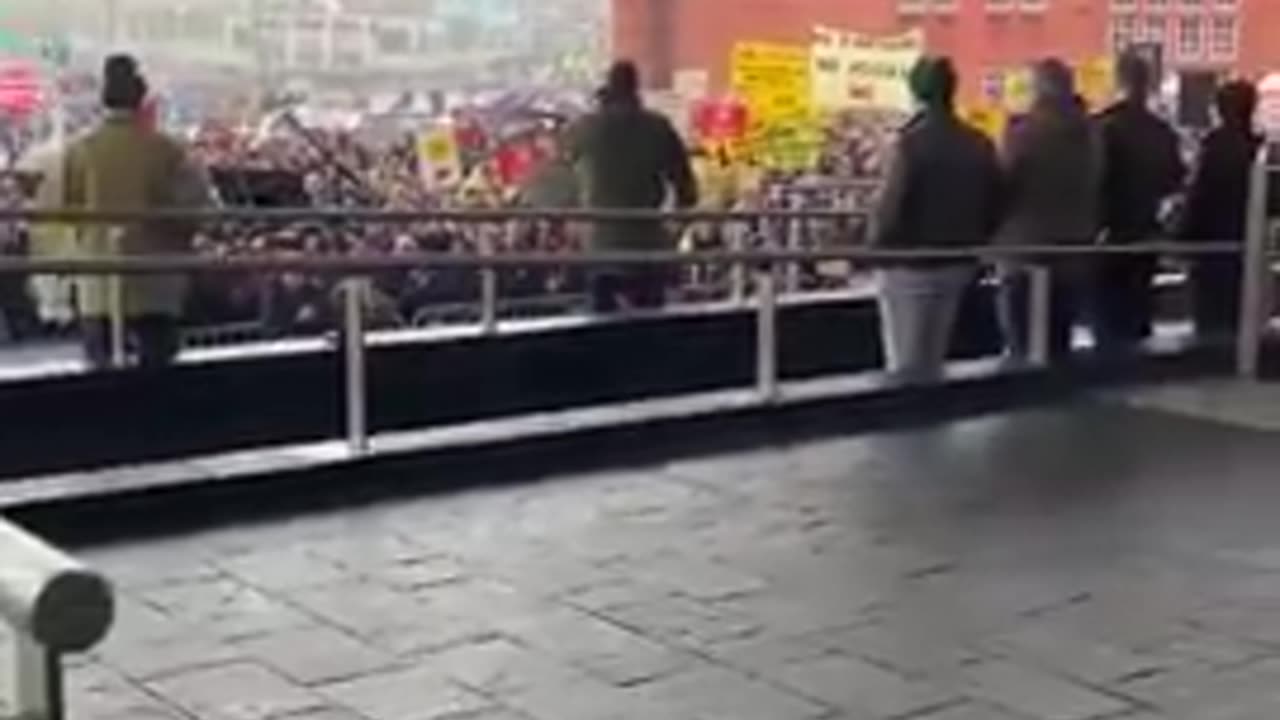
pixel 1215 209
pixel 1053 167
pixel 943 190
pixel 630 158
pixel 1143 169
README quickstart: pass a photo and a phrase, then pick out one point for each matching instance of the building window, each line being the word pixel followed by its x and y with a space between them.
pixel 913 7
pixel 1192 5
pixel 943 6
pixel 1124 32
pixel 1153 30
pixel 1000 6
pixel 1124 6
pixel 1222 37
pixel 1033 6
pixel 1157 5
pixel 1190 37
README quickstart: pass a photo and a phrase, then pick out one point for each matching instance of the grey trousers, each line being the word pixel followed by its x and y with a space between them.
pixel 918 309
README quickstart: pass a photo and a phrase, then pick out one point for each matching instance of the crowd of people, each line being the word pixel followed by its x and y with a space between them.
pixel 1060 177
pixel 280 161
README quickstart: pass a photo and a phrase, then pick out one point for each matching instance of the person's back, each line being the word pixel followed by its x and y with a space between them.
pixel 943 188
pixel 1143 168
pixel 122 166
pixel 1053 167
pixel 629 157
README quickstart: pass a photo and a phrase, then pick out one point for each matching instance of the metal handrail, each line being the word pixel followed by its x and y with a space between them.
pixel 363 265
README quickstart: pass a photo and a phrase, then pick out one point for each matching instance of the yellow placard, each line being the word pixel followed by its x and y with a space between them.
pixel 1095 81
pixel 772 79
pixel 1017 90
pixel 853 71
pixel 439 157
pixel 987 119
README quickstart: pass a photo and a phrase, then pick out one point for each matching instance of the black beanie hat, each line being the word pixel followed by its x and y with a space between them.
pixel 123 88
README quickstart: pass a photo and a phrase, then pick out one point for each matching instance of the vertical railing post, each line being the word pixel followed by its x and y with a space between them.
pixel 1038 315
pixel 767 334
pixel 794 243
pixel 489 286
pixel 36 680
pixel 118 332
pixel 354 353
pixel 1255 267
pixel 738 235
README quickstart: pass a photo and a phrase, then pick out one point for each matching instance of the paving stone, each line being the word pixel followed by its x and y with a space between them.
pixel 237 691
pixel 858 687
pixel 156 658
pixel 411 694
pixel 284 569
pixel 97 692
pixel 314 655
pixel 224 607
pixel 1241 693
pixel 605 649
pixel 501 667
pixel 1056 649
pixel 1039 695
pixel 712 693
pixel 685 621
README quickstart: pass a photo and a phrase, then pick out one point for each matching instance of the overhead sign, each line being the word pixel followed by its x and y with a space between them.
pixel 853 71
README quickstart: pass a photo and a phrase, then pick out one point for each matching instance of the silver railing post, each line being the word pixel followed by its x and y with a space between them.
pixel 356 379
pixel 794 241
pixel 1038 317
pixel 36 680
pixel 118 332
pixel 738 236
pixel 489 287
pixel 767 334
pixel 1254 296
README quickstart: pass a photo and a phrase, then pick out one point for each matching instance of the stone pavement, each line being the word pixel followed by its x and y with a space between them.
pixel 1084 562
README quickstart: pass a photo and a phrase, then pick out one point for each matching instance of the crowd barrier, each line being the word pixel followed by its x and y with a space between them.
pixel 768 267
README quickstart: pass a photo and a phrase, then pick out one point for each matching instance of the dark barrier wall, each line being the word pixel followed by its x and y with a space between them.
pixel 68 423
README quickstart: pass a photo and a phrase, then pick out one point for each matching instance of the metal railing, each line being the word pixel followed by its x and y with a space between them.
pixel 52 606
pixel 768 265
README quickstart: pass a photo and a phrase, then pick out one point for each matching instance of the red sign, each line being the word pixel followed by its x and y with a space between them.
pixel 19 89
pixel 720 120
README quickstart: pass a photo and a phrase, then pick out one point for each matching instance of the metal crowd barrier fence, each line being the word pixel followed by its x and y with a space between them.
pixel 768 265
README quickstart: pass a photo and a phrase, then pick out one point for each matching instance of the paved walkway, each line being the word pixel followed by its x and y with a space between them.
pixel 1095 561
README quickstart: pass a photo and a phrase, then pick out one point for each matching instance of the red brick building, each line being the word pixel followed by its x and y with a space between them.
pixel 667 36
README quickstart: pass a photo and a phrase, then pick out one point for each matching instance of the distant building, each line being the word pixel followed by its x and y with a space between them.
pixel 317 39
pixel 1232 36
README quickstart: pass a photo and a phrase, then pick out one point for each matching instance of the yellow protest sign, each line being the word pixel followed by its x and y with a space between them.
pixel 439 158
pixel 773 79
pixel 987 119
pixel 853 71
pixel 1095 81
pixel 1017 90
